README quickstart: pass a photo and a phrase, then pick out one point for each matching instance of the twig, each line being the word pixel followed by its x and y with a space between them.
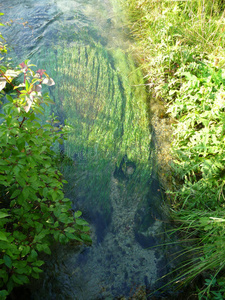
pixel 24 118
pixel 7 79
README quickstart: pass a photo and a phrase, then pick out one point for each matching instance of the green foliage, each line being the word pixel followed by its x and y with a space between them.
pixel 181 47
pixel 33 208
pixel 215 289
pixel 168 32
pixel 197 98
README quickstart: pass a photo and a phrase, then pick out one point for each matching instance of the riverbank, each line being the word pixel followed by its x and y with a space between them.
pixel 180 46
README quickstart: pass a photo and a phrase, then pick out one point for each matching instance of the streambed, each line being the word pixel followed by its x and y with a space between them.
pixel 100 92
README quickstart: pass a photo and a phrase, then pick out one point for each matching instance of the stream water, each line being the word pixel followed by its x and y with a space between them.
pixel 109 156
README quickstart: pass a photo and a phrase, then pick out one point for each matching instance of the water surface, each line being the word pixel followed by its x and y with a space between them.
pixel 108 158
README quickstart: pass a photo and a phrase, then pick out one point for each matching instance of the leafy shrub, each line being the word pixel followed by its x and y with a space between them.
pixel 33 208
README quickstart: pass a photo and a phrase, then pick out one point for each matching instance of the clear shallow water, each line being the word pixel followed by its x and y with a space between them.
pixel 101 93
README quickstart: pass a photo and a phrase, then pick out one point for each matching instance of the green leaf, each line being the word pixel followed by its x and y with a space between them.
pixel 3 294
pixel 76 237
pixel 19 235
pixel 21 144
pixel 23 278
pixel 20 264
pixel 27 85
pixel 62 238
pixel 39 227
pixel 9 98
pixel 26 192
pixel 25 251
pixel 35 275
pixel 43 247
pixel 4 245
pixel 81 222
pixel 40 236
pixel 204 221
pixel 49 101
pixel 20 279
pixel 7 261
pixel 3 215
pixel 37 270
pixel 15 193
pixel 3 236
pixel 45 192
pixel 25 270
pixel 69 230
pixel 16 279
pixel 63 217
pixel 38 263
pixel 77 214
pixel 86 237
pixel 10 285
pixel 86 228
pixel 3 273
pixel 71 236
pixel 33 255
pixel 56 224
pixel 54 195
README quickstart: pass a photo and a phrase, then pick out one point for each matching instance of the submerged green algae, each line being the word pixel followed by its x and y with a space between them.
pixel 101 94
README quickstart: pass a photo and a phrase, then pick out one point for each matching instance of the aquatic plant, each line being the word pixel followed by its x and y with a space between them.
pixel 100 94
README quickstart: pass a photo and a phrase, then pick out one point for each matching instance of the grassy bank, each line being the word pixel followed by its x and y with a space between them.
pixel 180 45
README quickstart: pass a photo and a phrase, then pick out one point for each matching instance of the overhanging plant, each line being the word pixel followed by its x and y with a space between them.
pixel 33 208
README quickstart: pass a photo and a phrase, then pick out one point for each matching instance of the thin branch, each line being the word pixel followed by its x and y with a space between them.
pixel 7 79
pixel 24 118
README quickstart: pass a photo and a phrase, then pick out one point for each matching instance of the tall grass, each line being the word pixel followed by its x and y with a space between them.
pixel 164 26
pixel 180 45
